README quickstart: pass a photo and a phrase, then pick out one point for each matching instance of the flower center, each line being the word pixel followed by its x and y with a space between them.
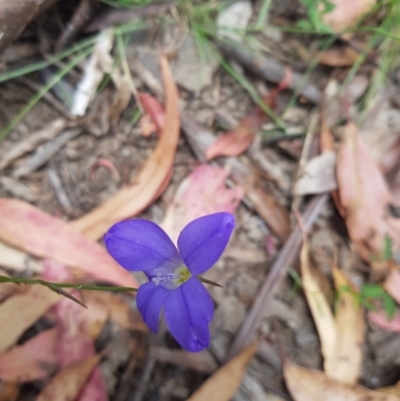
pixel 175 279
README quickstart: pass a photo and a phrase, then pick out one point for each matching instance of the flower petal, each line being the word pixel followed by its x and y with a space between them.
pixel 188 312
pixel 202 241
pixel 150 299
pixel 141 245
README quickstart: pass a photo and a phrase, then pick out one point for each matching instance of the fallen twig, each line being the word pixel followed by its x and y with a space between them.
pixel 271 70
pixel 44 155
pixel 278 271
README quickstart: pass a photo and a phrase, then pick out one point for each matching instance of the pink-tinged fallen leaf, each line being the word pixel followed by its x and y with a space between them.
pixel 154 110
pixel 67 384
pixel 223 384
pixel 314 385
pixel 147 126
pixel 28 228
pixel 106 163
pixel 338 56
pixel 382 321
pixel 34 360
pixel 21 311
pixel 76 327
pixel 346 13
pixel 131 200
pixel 203 192
pixel 364 197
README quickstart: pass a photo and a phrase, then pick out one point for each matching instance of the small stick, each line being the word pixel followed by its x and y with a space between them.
pixel 278 270
pixel 271 70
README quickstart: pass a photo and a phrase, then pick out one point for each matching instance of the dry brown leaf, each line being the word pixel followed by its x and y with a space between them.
pixel 20 311
pixel 132 199
pixel 223 384
pixel 118 309
pixel 364 197
pixel 314 385
pixel 20 224
pixel 338 56
pixel 395 389
pixel 346 13
pixel 9 391
pixel 67 384
pixel 33 360
pixel 346 363
pixel 320 308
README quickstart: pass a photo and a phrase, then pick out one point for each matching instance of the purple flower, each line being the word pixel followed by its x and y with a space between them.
pixel 141 245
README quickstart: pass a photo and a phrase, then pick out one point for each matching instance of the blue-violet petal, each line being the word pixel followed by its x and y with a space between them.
pixel 150 299
pixel 141 245
pixel 202 241
pixel 188 312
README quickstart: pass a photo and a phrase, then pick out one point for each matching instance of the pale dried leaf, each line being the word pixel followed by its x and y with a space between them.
pixel 224 383
pixel 320 309
pixel 67 384
pixel 19 312
pixel 347 360
pixel 319 175
pixel 314 385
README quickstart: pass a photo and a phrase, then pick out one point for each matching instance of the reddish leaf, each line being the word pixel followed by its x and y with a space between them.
pixel 33 360
pixel 338 56
pixel 106 163
pixel 236 141
pixel 202 192
pixel 131 200
pixel 154 110
pixel 28 228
